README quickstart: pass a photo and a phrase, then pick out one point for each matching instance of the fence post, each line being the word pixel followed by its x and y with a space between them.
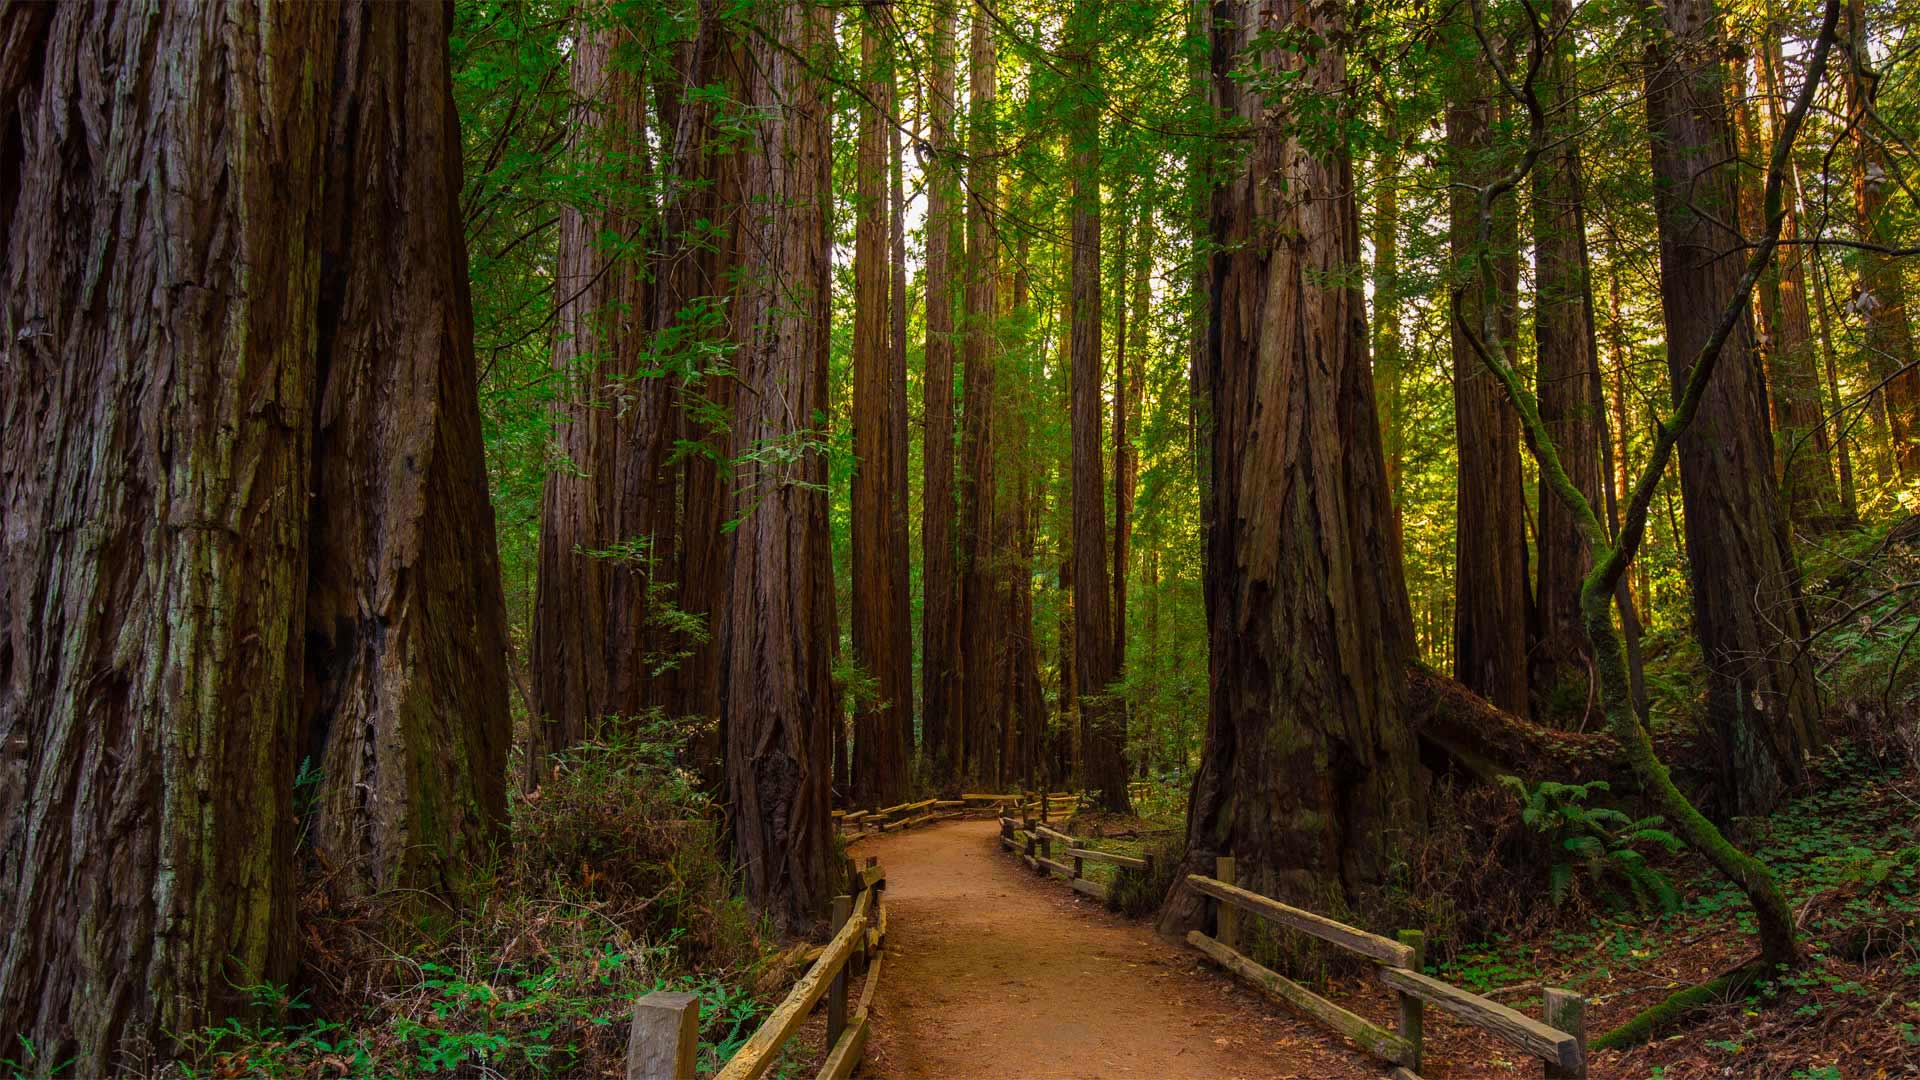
pixel 665 1038
pixel 1567 1011
pixel 1077 869
pixel 1412 1009
pixel 837 992
pixel 1229 916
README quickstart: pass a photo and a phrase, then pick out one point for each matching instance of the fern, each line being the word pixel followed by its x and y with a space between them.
pixel 1603 844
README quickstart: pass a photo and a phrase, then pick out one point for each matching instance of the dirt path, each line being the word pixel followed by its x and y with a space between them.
pixel 995 974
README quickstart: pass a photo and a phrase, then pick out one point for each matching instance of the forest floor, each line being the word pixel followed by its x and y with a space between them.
pixel 995 974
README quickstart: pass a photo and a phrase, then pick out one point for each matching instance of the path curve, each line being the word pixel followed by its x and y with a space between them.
pixel 993 973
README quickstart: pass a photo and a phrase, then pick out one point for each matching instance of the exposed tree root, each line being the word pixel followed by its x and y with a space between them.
pixel 1679 1006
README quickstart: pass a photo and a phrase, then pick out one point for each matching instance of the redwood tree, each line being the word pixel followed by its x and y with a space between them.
pixel 1103 731
pixel 939 642
pixel 883 728
pixel 776 622
pixel 254 527
pixel 1490 577
pixel 1310 774
pixel 1762 703
pixel 1567 375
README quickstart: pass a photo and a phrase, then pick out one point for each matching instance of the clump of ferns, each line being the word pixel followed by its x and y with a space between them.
pixel 1606 847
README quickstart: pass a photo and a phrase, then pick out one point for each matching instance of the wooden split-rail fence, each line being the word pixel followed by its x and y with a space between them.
pixel 664 1043
pixel 856 824
pixel 1034 842
pixel 1559 1041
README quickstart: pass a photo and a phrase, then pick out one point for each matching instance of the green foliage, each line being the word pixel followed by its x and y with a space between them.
pixel 1599 842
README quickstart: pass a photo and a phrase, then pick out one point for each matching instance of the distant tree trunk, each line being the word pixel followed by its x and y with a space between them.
pixel 1129 373
pixel 981 626
pixel 1762 703
pixel 1802 454
pixel 1067 770
pixel 1310 775
pixel 775 625
pixel 1842 441
pixel 939 639
pixel 594 291
pixel 900 536
pixel 1568 375
pixel 882 728
pixel 1882 296
pixel 1102 726
pixel 1490 576
pixel 1389 350
pixel 256 526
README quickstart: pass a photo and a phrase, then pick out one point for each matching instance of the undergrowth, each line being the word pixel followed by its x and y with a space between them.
pixel 614 886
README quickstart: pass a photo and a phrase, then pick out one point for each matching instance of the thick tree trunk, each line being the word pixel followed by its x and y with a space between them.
pixel 980 625
pixel 882 728
pixel 900 536
pixel 1102 725
pixel 1762 703
pixel 254 528
pixel 1568 375
pixel 1310 775
pixel 1490 552
pixel 775 622
pixel 1881 295
pixel 939 639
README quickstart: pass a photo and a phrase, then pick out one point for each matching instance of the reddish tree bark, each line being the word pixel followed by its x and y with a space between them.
pixel 1762 703
pixel 1567 386
pixel 1310 775
pixel 255 527
pixel 1490 546
pixel 980 623
pixel 883 728
pixel 775 629
pixel 939 639
pixel 1103 731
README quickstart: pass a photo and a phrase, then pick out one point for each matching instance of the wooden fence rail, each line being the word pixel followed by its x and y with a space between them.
pixel 1560 1041
pixel 665 1038
pixel 1034 841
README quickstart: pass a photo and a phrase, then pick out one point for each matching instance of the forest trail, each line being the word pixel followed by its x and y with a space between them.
pixel 995 974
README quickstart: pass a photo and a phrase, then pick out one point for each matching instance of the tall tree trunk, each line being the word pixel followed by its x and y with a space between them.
pixel 1389 350
pixel 1129 374
pixel 1881 296
pixel 1568 376
pixel 1490 576
pixel 594 290
pixel 980 624
pixel 1310 775
pixel 257 525
pixel 1762 703
pixel 938 630
pixel 776 623
pixel 900 537
pixel 1802 456
pixel 1102 725
pixel 882 728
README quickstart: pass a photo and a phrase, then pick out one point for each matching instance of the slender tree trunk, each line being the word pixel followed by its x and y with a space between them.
pixel 882 728
pixel 900 537
pixel 1842 441
pixel 1310 775
pixel 939 639
pixel 217 565
pixel 1802 456
pixel 1490 575
pixel 1567 378
pixel 1102 725
pixel 1129 374
pixel 1762 703
pixel 1389 351
pixel 980 624
pixel 1881 296
pixel 776 621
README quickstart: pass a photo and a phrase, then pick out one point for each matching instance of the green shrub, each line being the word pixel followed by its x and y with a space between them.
pixel 1600 842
